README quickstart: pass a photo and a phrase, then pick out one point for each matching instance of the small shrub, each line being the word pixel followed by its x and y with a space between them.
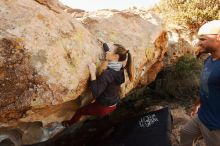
pixel 182 79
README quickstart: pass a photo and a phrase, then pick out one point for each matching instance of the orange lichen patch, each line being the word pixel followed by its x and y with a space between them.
pixel 151 74
pixel 2 75
pixel 154 70
pixel 68 57
pixel 89 20
pixel 48 25
pixel 7 2
pixel 41 17
pixel 161 44
pixel 197 50
pixel 161 41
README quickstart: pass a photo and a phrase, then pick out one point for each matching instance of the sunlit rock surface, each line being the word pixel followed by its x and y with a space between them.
pixel 44 53
pixel 45 48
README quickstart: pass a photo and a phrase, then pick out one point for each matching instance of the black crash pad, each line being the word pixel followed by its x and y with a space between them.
pixel 149 129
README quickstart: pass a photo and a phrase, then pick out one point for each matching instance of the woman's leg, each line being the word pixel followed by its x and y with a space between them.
pixel 92 109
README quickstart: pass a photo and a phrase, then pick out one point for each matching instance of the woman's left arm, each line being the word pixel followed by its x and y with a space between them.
pixel 99 85
pixel 92 70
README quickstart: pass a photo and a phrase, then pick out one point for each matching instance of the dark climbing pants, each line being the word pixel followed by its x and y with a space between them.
pixel 94 108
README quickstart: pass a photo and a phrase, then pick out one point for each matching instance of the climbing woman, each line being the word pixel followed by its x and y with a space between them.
pixel 105 87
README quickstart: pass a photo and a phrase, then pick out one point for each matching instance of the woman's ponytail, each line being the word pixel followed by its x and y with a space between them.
pixel 129 67
pixel 123 54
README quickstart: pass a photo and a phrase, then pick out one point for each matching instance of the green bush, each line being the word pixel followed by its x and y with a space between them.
pixel 187 65
pixel 182 79
pixel 189 13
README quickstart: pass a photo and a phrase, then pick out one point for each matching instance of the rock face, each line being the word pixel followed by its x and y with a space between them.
pixel 45 48
pixel 44 54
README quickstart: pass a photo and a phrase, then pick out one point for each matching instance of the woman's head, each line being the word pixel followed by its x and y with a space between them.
pixel 116 53
pixel 119 53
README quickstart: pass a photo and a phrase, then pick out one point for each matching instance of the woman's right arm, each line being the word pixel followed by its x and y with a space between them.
pixel 98 84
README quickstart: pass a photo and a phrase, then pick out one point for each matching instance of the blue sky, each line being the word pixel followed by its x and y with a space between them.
pixel 92 5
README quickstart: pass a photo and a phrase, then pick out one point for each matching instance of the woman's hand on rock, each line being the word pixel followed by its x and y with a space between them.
pixel 92 70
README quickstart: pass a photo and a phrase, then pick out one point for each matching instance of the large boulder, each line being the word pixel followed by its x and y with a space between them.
pixel 45 47
pixel 44 54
